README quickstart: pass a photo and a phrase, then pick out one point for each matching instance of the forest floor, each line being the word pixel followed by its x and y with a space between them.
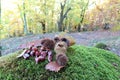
pixel 112 39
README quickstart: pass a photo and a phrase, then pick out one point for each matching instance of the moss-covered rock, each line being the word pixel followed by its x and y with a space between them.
pixel 102 46
pixel 85 63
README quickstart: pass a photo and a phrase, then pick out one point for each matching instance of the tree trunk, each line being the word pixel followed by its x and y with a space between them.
pixel 43 22
pixel 43 27
pixel 62 16
pixel 59 26
pixel 25 24
pixel 82 15
pixel 79 27
pixel 24 19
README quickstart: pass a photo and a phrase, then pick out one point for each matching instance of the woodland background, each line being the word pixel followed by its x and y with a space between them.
pixel 25 17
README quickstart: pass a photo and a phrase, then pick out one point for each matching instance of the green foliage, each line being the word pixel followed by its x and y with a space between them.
pixel 116 28
pixel 85 63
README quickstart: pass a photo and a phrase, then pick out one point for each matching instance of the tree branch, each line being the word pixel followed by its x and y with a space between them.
pixel 66 12
pixel 62 8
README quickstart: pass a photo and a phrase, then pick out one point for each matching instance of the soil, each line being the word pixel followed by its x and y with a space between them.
pixel 112 39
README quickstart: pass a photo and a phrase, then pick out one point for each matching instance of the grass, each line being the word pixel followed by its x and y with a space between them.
pixel 85 63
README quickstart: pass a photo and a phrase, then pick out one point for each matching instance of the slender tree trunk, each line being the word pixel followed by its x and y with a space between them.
pixel 43 27
pixel 25 24
pixel 82 15
pixel 24 19
pixel 79 27
pixel 44 21
pixel 80 24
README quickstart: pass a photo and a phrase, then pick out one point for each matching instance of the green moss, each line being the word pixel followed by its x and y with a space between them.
pixel 85 63
pixel 101 46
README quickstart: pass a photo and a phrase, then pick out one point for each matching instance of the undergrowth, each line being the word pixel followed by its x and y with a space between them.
pixel 85 63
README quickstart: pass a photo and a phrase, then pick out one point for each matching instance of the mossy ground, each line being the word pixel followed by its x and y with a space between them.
pixel 85 63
